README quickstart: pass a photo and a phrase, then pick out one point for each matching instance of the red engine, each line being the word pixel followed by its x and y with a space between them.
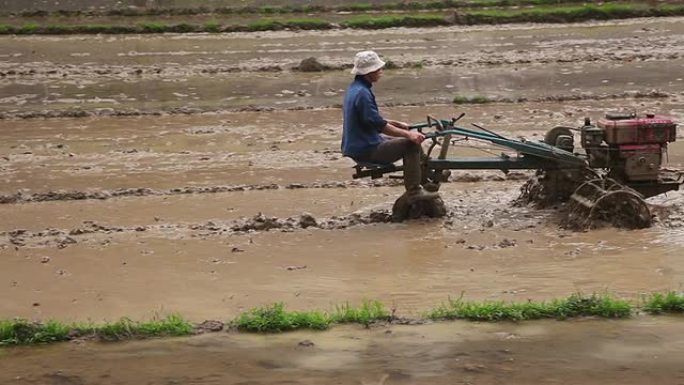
pixel 631 146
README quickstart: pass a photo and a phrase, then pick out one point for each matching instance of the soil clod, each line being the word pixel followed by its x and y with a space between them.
pixel 208 326
pixel 306 343
pixel 311 64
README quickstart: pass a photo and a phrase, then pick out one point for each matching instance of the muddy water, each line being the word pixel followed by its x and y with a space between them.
pixel 644 350
pixel 162 238
pixel 232 71
pixel 215 273
pixel 280 147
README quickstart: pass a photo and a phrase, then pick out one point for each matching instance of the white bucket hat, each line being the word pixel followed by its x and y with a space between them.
pixel 366 62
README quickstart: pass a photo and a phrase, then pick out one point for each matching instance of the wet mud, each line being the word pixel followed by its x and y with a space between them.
pixel 199 73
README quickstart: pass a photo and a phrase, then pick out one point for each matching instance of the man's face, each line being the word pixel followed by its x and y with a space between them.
pixel 374 76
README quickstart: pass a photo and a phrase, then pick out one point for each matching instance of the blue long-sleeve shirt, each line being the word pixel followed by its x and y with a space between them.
pixel 362 120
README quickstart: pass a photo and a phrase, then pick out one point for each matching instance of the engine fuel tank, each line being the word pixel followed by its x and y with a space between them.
pixel 633 129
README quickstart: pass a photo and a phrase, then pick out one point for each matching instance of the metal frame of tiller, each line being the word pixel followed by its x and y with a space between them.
pixel 531 155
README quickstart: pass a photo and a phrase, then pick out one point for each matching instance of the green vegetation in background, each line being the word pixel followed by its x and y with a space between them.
pixel 477 99
pixel 556 14
pixel 378 22
pixel 311 8
pixel 212 27
pixel 494 16
pixel 276 25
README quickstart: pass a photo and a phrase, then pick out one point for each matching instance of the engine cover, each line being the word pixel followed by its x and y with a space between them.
pixel 634 129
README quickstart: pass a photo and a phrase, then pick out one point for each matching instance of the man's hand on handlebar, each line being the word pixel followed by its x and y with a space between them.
pixel 415 136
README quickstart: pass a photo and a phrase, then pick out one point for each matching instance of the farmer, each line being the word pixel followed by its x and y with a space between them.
pixel 363 124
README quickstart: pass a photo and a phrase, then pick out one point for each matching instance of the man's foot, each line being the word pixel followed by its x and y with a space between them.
pixel 420 194
pixel 444 175
pixel 431 187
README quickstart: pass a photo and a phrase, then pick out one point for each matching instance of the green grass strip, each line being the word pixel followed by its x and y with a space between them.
pixel 557 14
pixel 300 9
pixel 564 14
pixel 576 305
pixel 370 311
pixel 379 22
pixel 276 25
pixel 23 332
pixel 274 318
pixel 173 325
pixel 664 303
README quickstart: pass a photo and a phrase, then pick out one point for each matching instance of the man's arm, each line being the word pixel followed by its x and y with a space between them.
pixel 391 129
pixel 399 124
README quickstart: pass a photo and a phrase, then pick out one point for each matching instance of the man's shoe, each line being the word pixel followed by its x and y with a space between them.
pixel 431 187
pixel 444 175
pixel 419 194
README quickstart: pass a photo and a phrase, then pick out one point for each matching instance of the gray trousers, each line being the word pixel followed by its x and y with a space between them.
pixel 392 150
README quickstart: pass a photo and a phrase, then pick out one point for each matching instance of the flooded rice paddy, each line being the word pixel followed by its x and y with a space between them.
pixel 147 205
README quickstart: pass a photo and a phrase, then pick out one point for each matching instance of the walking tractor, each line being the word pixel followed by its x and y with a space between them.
pixel 618 165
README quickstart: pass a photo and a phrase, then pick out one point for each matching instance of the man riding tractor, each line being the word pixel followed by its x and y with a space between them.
pixel 368 138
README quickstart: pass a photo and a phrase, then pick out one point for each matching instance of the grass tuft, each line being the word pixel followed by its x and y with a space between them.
pixel 212 26
pixel 274 318
pixel 22 332
pixel 369 311
pixel 172 325
pixel 664 303
pixel 478 99
pixel 469 12
pixel 378 22
pixel 574 306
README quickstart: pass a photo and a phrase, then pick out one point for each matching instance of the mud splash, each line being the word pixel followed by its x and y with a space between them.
pixel 624 208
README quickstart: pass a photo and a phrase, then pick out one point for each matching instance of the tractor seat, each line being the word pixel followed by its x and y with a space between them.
pixel 374 170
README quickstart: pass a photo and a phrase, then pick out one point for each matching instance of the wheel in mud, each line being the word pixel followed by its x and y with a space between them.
pixel 404 209
pixel 622 208
pixel 604 200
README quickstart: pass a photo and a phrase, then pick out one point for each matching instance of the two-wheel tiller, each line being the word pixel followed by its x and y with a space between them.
pixel 618 165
